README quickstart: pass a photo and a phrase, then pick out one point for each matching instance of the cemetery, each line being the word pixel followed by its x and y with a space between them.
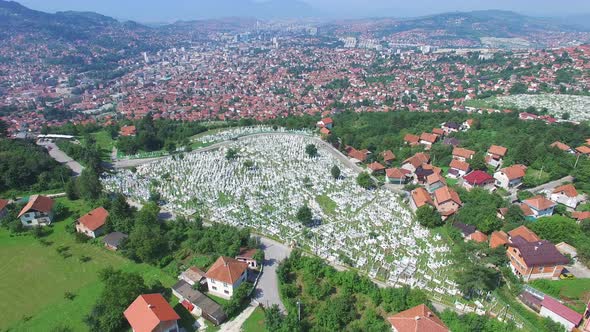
pixel 270 178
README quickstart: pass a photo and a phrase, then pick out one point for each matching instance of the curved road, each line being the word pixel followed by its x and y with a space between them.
pixel 267 290
pixel 62 158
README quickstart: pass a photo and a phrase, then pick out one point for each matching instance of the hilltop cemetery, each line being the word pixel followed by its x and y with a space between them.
pixel 262 181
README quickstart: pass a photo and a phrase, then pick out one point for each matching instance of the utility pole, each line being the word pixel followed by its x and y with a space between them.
pixel 577 159
pixel 299 310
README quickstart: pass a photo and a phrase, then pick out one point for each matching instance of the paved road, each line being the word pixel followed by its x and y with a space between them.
pixel 235 324
pixel 267 290
pixel 579 270
pixel 63 158
pixel 551 185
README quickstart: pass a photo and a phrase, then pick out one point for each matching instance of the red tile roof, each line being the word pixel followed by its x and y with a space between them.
pixel 463 153
pixel 417 159
pixel 388 155
pixel 539 203
pixel 497 150
pixel 514 172
pixel 411 139
pixel 3 204
pixel 226 270
pixel 148 311
pixel 417 319
pixel 127 131
pixel 376 167
pixel 566 313
pixel 581 215
pixel 460 165
pixel 428 137
pixel 445 194
pixel 94 219
pixel 479 237
pixel 421 197
pixel 37 203
pixel 498 238
pixel 477 178
pixel 525 233
pixel 560 146
pixel 568 190
pixel 583 149
pixel 396 173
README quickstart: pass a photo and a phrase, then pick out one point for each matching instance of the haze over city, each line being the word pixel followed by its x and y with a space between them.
pixel 160 11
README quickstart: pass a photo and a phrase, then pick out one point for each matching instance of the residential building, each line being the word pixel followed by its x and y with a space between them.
pixel 151 313
pixel 412 163
pixel 92 223
pixel 113 241
pixel 193 276
pixel 225 276
pixel 458 168
pixel 411 140
pixel 495 155
pixel 376 168
pixel 197 303
pixel 535 260
pixel 510 177
pixel 396 175
pixel 417 319
pixel 563 147
pixel 419 198
pixel 388 157
pixel 435 181
pixel 3 208
pixel 581 215
pixel 498 238
pixel 560 313
pixel 583 150
pixel 462 154
pixel 478 179
pixel 427 139
pixel 451 127
pixel 37 212
pixel 127 131
pixel 478 237
pixel 540 206
pixel 357 155
pixel 326 123
pixel 447 201
pixel 567 195
pixel 247 256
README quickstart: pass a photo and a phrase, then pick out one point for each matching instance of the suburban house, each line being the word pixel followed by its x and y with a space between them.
pixel 463 154
pixel 447 201
pixel 451 141
pixel 563 147
pixel 420 197
pixel 560 313
pixel 3 208
pixel 193 276
pixel 128 131
pixel 510 177
pixel 458 168
pixel 498 238
pixel 225 276
pixel 435 181
pixel 415 161
pixel 197 303
pixel 326 123
pixel 411 140
pixel 388 157
pixel 478 237
pixel 325 132
pixel 451 127
pixel 496 155
pixel 581 215
pixel 113 241
pixel 427 139
pixel 247 256
pixel 478 179
pixel 540 206
pixel 566 249
pixel 151 313
pixel 37 212
pixel 567 195
pixel 423 171
pixel 92 223
pixel 417 319
pixel 465 229
pixel 535 260
pixel 467 124
pixel 397 175
pixel 357 155
pixel 438 132
pixel 583 150
pixel 376 167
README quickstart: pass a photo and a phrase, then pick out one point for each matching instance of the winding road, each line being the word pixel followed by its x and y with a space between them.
pixel 62 158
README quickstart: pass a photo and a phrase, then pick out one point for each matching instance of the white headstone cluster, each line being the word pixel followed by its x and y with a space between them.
pixel 370 230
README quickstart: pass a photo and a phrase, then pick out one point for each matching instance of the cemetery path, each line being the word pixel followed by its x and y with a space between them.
pixel 267 290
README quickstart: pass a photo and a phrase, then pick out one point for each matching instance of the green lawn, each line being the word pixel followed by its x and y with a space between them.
pixel 574 292
pixel 105 143
pixel 254 323
pixel 34 277
pixel 327 204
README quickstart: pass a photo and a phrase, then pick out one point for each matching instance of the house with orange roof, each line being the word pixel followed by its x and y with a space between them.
pixel 37 212
pixel 92 223
pixel 357 155
pixel 567 195
pixel 397 175
pixel 225 276
pixel 563 147
pixel 498 238
pixel 540 206
pixel 447 201
pixel 388 157
pixel 435 181
pixel 478 237
pixel 427 139
pixel 419 198
pixel 495 155
pixel 415 161
pixel 462 154
pixel 376 167
pixel 458 168
pixel 438 132
pixel 127 131
pixel 581 215
pixel 326 123
pixel 510 177
pixel 411 140
pixel 325 132
pixel 151 313
pixel 417 319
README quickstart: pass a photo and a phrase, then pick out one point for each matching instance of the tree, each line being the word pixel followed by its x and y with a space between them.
pixel 304 215
pixel 3 129
pixel 89 185
pixel 120 290
pixel 335 172
pixel 72 190
pixel 476 280
pixel 311 150
pixel 478 162
pixel 231 154
pixel 428 216
pixel 273 319
pixel 364 180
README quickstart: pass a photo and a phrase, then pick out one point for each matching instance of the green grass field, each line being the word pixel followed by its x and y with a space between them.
pixel 34 277
pixel 575 293
pixel 327 204
pixel 254 323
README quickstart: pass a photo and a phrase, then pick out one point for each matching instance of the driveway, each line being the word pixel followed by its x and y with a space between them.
pixel 63 158
pixel 267 290
pixel 579 270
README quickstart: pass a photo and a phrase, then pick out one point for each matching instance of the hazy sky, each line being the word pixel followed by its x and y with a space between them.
pixel 167 10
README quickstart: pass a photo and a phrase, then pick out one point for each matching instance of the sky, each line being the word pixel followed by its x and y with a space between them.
pixel 172 10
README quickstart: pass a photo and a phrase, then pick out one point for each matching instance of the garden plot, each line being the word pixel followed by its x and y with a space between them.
pixel 577 106
pixel 372 231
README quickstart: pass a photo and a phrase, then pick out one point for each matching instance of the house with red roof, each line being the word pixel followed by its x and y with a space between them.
pixel 151 313
pixel 388 157
pixel 419 198
pixel 417 319
pixel 458 168
pixel 478 179
pixel 415 161
pixel 37 212
pixel 127 131
pixel 435 181
pixel 583 150
pixel 495 155
pixel 510 177
pixel 427 139
pixel 376 167
pixel 411 140
pixel 397 175
pixel 447 201
pixel 326 123
pixel 562 146
pixel 92 223
pixel 567 195
pixel 540 206
pixel 225 276
pixel 560 313
pixel 462 154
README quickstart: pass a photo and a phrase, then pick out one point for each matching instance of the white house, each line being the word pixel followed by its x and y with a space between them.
pixel 559 313
pixel 37 212
pixel 225 276
pixel 567 195
pixel 92 223
pixel 510 177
